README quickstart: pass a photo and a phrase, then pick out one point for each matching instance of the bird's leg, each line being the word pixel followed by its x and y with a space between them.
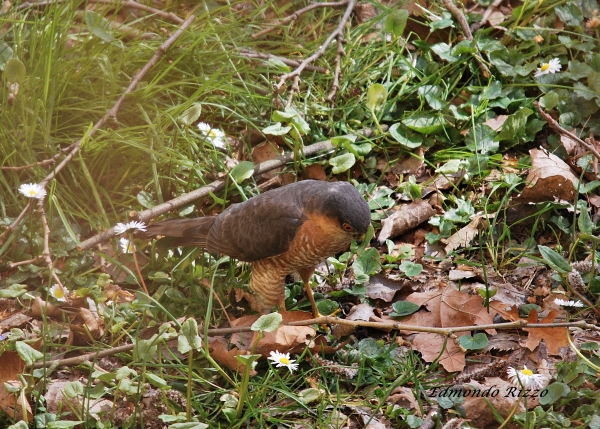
pixel 306 274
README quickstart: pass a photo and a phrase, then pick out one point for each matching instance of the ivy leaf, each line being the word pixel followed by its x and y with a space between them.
pixel 376 96
pixel 476 342
pixel 366 265
pixel 514 125
pixel 244 170
pixel 276 129
pixel 425 123
pixel 342 163
pixel 395 22
pixel 403 308
pixel 434 95
pixel 267 323
pixel 405 136
pixel 410 268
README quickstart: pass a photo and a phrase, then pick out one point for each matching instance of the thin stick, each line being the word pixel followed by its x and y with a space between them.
pixel 338 31
pixel 111 114
pixel 486 15
pixel 556 126
pixel 46 251
pixel 248 53
pixel 297 15
pixel 335 86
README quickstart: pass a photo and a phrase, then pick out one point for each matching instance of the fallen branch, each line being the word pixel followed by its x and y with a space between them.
pixel 111 114
pixel 449 332
pixel 215 186
pixel 486 15
pixel 297 15
pixel 335 86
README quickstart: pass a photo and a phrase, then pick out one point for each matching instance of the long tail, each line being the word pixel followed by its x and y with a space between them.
pixel 185 232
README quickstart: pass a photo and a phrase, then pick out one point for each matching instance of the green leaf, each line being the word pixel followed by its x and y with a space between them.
pixel 73 389
pixel 14 291
pixel 247 359
pixel 443 50
pixel 310 395
pixel 98 26
pixel 570 14
pixel 191 115
pixel 403 308
pixel 395 22
pixel 584 222
pixel 476 342
pixel 276 130
pixel 327 306
pixel 434 95
pixel 145 199
pixel 341 141
pixel 342 163
pixel 188 425
pixel 15 71
pixel 157 381
pixel 549 101
pixel 376 96
pixel 188 338
pixel 405 136
pixel 63 424
pixel 425 123
pixel 366 265
pixel 555 260
pixel 6 53
pixel 244 170
pixel 267 323
pixel 28 353
pixel 481 139
pixel 410 268
pixel 514 125
pixel 553 393
pixel 144 350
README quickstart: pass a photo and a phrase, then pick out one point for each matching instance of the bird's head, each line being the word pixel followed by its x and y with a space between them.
pixel 342 202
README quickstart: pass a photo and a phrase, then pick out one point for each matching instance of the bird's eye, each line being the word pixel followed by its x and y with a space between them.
pixel 347 227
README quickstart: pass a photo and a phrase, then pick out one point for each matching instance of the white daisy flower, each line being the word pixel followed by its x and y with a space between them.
pixel 526 378
pixel 566 303
pixel 59 293
pixel 32 190
pixel 213 135
pixel 120 228
pixel 551 66
pixel 126 245
pixel 283 359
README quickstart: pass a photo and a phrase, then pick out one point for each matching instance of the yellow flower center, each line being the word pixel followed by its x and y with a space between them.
pixel 32 192
pixel 284 360
pixel 545 66
pixel 59 293
pixel 527 372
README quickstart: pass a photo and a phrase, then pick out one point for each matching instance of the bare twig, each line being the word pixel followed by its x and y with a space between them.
pixel 129 4
pixel 248 53
pixel 46 251
pixel 556 126
pixel 460 17
pixel 335 86
pixel 215 186
pixel 111 114
pixel 43 163
pixel 337 32
pixel 27 262
pixel 297 15
pixel 486 15
pixel 449 332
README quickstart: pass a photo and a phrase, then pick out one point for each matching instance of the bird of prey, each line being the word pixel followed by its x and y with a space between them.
pixel 282 231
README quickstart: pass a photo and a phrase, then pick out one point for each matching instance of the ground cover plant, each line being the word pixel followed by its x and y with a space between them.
pixel 469 128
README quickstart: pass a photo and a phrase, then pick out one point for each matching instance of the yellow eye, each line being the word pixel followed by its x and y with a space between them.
pixel 347 227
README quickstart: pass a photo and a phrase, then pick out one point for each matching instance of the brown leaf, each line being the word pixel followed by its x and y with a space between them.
pixel 550 177
pixel 555 338
pixel 478 409
pixel 12 366
pixel 430 345
pixel 265 152
pixel 405 218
